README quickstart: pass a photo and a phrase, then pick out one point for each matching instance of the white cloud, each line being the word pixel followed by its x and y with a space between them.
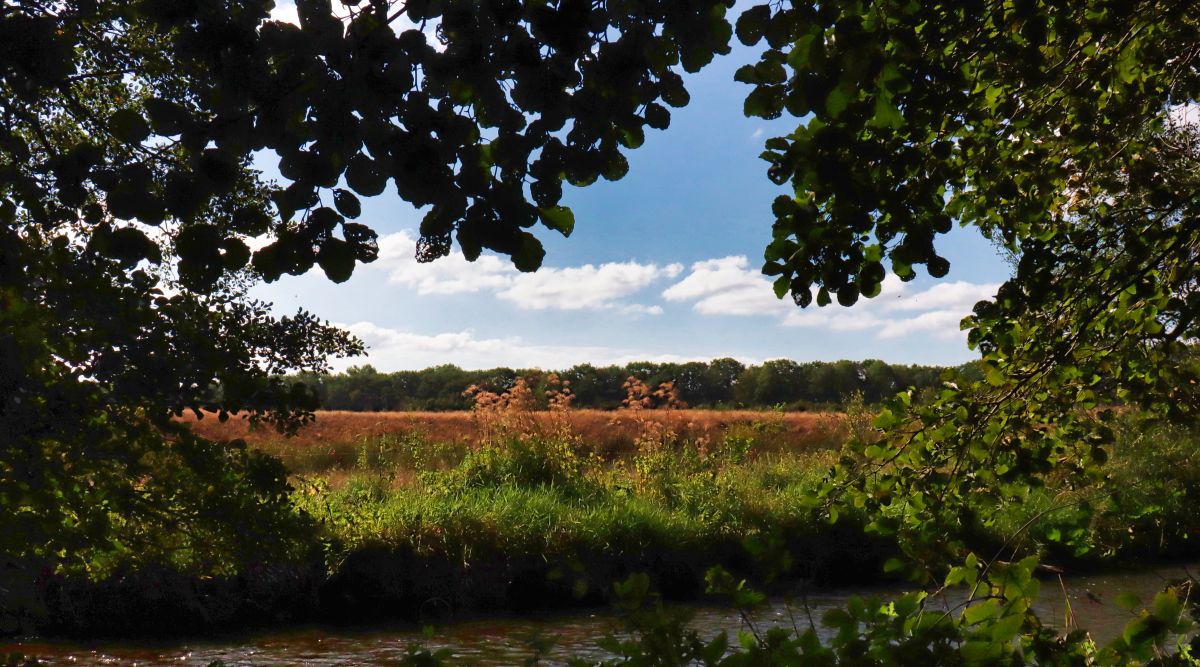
pixel 449 275
pixel 830 319
pixel 942 324
pixel 956 295
pixel 727 286
pixel 901 310
pixel 285 11
pixel 641 309
pixel 391 349
pixel 587 287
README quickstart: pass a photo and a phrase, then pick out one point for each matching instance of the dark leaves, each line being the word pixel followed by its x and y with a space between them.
pixel 347 204
pixel 657 116
pixel 129 126
pixel 365 177
pixel 363 241
pixel 752 24
pixel 336 258
pixel 529 253
pixel 166 117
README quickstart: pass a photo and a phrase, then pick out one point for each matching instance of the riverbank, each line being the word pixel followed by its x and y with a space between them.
pixel 530 524
pixel 532 516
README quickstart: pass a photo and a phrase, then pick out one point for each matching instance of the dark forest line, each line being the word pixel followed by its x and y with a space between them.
pixel 720 383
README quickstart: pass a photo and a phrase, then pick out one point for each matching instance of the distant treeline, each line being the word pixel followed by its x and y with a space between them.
pixel 721 383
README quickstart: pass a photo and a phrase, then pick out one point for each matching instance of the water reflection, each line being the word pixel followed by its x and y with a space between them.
pixel 506 641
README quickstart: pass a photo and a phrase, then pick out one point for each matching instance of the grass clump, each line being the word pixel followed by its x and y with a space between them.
pixel 533 507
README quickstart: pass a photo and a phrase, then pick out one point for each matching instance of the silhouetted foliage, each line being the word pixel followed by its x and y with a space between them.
pixel 132 221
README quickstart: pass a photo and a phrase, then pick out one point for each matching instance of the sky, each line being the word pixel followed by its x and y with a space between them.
pixel 663 265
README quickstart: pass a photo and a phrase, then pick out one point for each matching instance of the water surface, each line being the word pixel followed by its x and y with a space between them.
pixel 506 641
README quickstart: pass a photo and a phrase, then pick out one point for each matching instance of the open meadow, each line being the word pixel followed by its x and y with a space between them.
pixel 334 440
pixel 505 508
pixel 431 515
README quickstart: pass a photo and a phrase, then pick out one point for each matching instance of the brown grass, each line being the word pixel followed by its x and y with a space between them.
pixel 606 432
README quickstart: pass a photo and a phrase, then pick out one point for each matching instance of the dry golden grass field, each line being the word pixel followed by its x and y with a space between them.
pixel 608 433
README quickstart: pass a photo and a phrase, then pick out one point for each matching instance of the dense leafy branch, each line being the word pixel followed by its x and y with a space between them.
pixel 133 221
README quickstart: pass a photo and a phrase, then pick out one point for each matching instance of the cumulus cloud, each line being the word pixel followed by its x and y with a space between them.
pixel 449 275
pixel 833 320
pixel 957 295
pixel 727 286
pixel 939 323
pixel 587 287
pixel 392 349
pixel 641 309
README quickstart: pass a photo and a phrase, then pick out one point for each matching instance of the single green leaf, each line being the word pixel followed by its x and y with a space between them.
pixel 1127 600
pixel 559 218
pixel 529 254
pixel 836 102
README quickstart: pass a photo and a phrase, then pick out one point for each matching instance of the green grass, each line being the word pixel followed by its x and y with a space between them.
pixel 549 496
pixel 511 502
pixel 539 520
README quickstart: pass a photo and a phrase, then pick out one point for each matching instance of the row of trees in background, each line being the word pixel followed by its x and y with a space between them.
pixel 718 383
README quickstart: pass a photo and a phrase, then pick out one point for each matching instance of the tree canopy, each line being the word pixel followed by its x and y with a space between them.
pixel 1047 126
pixel 721 383
pixel 133 219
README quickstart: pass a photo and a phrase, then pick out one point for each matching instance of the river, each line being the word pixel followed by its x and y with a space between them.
pixel 505 641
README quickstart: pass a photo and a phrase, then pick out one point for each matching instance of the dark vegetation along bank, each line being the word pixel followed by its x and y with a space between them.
pixel 720 383
pixel 527 514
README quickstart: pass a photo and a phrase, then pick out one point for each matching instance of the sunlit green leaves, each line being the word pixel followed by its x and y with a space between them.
pixel 906 125
pixel 559 218
pixel 123 117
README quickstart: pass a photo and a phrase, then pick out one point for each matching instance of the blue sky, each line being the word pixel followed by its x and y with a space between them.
pixel 663 265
